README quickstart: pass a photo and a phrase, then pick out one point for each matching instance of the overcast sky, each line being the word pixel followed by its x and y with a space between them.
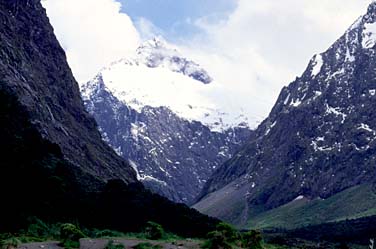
pixel 255 47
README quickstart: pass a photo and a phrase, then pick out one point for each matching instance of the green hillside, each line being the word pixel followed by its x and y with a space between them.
pixel 356 202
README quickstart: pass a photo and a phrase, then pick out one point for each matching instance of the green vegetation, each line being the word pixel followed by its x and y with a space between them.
pixel 106 234
pixel 10 243
pixel 227 237
pixel 71 235
pixel 252 240
pixel 154 231
pixel 353 203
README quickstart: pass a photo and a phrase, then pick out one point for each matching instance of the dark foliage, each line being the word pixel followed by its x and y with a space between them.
pixel 252 240
pixel 355 231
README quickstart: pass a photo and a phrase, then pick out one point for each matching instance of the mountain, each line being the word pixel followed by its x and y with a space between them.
pixel 152 109
pixel 318 141
pixel 53 162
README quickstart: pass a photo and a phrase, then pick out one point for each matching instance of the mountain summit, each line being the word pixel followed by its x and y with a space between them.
pixel 319 139
pixel 158 53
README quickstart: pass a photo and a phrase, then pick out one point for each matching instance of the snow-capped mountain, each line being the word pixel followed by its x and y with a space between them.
pixel 319 139
pixel 158 75
pixel 161 111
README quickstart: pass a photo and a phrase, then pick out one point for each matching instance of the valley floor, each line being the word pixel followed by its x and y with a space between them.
pixel 127 243
pixel 178 244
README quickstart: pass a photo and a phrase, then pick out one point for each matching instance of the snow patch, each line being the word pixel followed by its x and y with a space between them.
pixel 369 35
pixel 317 65
pixel 300 197
pixel 144 177
pixel 336 111
pixel 287 99
pixel 366 128
pixel 296 103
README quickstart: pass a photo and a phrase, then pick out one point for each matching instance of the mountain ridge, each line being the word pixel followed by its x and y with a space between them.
pixel 318 140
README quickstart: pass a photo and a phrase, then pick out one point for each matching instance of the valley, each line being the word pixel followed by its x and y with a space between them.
pixel 153 152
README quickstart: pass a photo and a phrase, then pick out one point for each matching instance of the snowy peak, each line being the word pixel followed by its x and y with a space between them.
pixel 158 53
pixel 334 68
pixel 159 76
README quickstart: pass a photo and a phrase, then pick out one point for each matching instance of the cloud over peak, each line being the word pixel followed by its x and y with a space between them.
pixel 92 32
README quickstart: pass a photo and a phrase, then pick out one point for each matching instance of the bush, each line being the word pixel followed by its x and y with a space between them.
pixel 11 243
pixel 69 244
pixel 216 240
pixel 108 234
pixel 38 228
pixel 154 231
pixel 70 235
pixel 252 240
pixel 112 245
pixel 229 232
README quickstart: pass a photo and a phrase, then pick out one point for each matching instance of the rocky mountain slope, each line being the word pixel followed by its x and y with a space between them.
pixel 151 110
pixel 319 139
pixel 33 67
pixel 54 164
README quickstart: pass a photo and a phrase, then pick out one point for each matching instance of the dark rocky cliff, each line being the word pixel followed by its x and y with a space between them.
pixel 33 67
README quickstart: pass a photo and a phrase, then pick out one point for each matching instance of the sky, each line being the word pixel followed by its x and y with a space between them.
pixel 252 47
pixel 175 19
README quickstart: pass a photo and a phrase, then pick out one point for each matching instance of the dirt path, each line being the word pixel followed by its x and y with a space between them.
pixel 128 244
pixel 42 245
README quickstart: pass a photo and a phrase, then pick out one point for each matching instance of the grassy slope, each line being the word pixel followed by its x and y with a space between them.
pixel 356 202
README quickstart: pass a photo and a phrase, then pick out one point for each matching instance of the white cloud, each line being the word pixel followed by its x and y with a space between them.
pixel 253 52
pixel 92 32
pixel 147 29
pixel 264 44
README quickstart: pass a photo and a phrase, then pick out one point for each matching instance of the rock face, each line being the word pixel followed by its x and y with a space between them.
pixel 172 154
pixel 33 67
pixel 319 139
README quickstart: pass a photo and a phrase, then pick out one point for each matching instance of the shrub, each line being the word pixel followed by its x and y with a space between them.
pixel 69 244
pixel 70 235
pixel 216 240
pixel 38 228
pixel 108 233
pixel 10 243
pixel 154 231
pixel 229 232
pixel 71 232
pixel 252 240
